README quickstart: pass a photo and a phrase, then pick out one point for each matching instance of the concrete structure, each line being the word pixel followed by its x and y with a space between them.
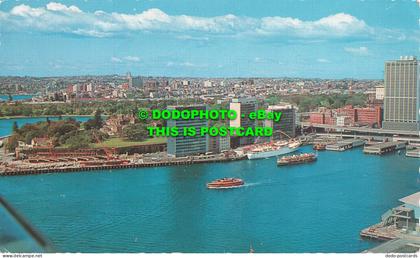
pixel 187 145
pixel 402 95
pixel 345 144
pixel 243 108
pixel 286 127
pixel 383 147
pixel 413 202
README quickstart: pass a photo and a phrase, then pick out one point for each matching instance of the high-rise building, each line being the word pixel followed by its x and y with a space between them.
pixel 130 80
pixel 286 127
pixel 243 108
pixel 402 94
pixel 137 82
pixel 181 145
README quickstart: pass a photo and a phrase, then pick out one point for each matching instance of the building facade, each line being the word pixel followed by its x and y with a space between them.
pixel 181 145
pixel 402 92
pixel 286 127
pixel 243 108
pixel 218 143
pixel 349 116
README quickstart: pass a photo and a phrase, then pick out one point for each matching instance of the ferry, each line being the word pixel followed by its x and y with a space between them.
pixel 272 149
pixel 225 183
pixel 297 159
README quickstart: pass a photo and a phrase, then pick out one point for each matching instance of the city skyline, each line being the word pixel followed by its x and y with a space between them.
pixel 199 39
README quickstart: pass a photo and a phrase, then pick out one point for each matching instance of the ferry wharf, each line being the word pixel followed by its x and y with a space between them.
pixel 140 164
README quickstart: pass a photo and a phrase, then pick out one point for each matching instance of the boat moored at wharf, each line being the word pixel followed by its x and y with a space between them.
pixel 271 149
pixel 296 159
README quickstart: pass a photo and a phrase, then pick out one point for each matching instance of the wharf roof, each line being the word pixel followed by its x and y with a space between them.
pixel 413 199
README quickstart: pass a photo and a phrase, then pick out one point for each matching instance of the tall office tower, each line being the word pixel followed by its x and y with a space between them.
pixel 286 127
pixel 243 107
pixel 181 145
pixel 130 80
pixel 402 95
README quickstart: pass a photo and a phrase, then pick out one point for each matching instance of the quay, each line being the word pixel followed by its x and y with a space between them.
pixel 405 244
pixel 383 147
pixel 413 152
pixel 76 167
pixel 345 144
pixel 400 226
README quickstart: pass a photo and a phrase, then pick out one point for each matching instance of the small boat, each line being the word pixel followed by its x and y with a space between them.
pixel 225 183
pixel 296 159
pixel 319 146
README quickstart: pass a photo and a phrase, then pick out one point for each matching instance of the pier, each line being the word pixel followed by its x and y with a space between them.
pixel 413 152
pixel 345 144
pixel 384 147
pixel 77 167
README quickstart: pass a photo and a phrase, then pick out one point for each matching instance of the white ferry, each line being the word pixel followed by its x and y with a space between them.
pixel 272 149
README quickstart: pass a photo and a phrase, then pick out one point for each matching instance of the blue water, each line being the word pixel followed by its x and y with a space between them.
pixel 319 207
pixel 6 125
pixel 16 97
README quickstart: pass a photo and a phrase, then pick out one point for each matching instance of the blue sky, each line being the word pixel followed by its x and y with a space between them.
pixel 218 38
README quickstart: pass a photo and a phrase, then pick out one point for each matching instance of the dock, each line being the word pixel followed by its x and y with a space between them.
pixel 345 144
pixel 77 167
pixel 406 244
pixel 384 147
pixel 413 152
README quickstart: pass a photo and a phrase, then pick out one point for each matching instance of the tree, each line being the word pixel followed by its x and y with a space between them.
pixel 98 119
pixel 96 122
pixel 136 132
pixel 12 143
pixel 57 129
pixel 10 97
pixel 15 128
pixel 80 140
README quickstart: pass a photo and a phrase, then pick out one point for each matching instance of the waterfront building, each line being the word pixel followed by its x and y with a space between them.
pixel 324 116
pixel 243 107
pixel 286 127
pixel 187 145
pixel 349 116
pixel 402 95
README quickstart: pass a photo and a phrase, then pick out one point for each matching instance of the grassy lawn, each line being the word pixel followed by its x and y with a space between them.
pixel 120 142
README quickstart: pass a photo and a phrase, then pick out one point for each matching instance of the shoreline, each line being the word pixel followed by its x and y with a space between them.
pixel 64 169
pixel 42 116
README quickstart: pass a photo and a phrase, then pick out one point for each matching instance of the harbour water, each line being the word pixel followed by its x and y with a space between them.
pixel 6 125
pixel 16 97
pixel 316 207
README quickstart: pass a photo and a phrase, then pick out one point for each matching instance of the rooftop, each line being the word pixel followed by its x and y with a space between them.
pixel 413 199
